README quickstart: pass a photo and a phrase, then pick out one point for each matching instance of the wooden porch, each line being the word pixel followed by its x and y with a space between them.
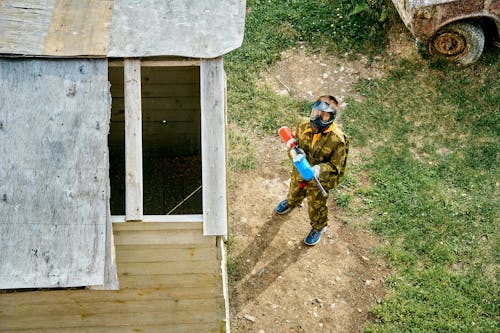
pixel 171 280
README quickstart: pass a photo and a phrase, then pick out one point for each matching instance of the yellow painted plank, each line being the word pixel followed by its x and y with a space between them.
pixel 79 27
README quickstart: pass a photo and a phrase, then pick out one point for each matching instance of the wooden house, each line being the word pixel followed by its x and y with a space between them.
pixel 113 164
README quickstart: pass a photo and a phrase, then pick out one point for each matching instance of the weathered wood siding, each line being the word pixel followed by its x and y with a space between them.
pixel 121 28
pixel 170 279
pixel 54 183
pixel 198 29
pixel 133 140
pixel 213 133
pixel 23 26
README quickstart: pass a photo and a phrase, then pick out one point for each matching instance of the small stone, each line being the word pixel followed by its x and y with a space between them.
pixel 318 300
pixel 249 318
pixel 360 310
pixel 368 282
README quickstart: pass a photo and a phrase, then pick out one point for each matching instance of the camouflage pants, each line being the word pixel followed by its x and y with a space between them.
pixel 316 202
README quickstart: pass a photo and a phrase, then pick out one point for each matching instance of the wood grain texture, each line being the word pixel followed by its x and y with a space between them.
pixel 165 287
pixel 79 27
pixel 121 28
pixel 133 140
pixel 158 27
pixel 213 142
pixel 54 182
pixel 24 25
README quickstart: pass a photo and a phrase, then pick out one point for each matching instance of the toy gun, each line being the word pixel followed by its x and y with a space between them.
pixel 299 158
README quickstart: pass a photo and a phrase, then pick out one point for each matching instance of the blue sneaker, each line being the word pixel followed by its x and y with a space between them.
pixel 282 207
pixel 314 236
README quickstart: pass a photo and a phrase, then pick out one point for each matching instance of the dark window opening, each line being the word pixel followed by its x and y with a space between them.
pixel 171 141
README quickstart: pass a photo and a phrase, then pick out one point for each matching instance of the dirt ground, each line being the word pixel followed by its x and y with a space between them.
pixel 284 285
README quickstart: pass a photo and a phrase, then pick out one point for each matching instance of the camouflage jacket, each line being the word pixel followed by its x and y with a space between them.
pixel 329 150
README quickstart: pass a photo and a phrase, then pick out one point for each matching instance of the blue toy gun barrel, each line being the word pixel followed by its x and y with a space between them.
pixel 307 173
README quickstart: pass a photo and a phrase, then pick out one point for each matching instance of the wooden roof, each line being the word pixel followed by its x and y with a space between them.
pixel 121 28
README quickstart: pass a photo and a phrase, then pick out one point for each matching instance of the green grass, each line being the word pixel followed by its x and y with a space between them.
pixel 432 131
pixel 434 142
pixel 274 26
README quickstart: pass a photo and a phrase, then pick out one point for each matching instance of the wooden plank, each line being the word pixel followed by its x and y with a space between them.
pixel 133 140
pixel 200 327
pixel 160 75
pixel 170 281
pixel 54 172
pixel 161 116
pixel 37 311
pixel 159 63
pixel 162 90
pixel 24 25
pixel 200 313
pixel 157 28
pixel 50 297
pixel 191 226
pixel 79 27
pixel 172 267
pixel 162 103
pixel 163 288
pixel 110 273
pixel 164 218
pixel 158 253
pixel 161 237
pixel 213 131
pixel 221 247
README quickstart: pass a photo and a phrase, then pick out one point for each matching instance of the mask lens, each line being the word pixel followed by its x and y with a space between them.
pixel 324 116
pixel 322 106
pixel 315 113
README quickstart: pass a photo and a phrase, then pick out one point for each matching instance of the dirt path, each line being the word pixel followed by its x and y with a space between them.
pixel 285 286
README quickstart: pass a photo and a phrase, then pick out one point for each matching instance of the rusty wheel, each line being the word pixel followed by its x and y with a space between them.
pixel 460 42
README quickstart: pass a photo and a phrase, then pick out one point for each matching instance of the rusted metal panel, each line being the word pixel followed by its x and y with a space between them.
pixel 424 17
pixel 428 16
pixel 494 7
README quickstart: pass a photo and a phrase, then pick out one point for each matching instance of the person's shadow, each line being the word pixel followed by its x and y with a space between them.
pixel 247 260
